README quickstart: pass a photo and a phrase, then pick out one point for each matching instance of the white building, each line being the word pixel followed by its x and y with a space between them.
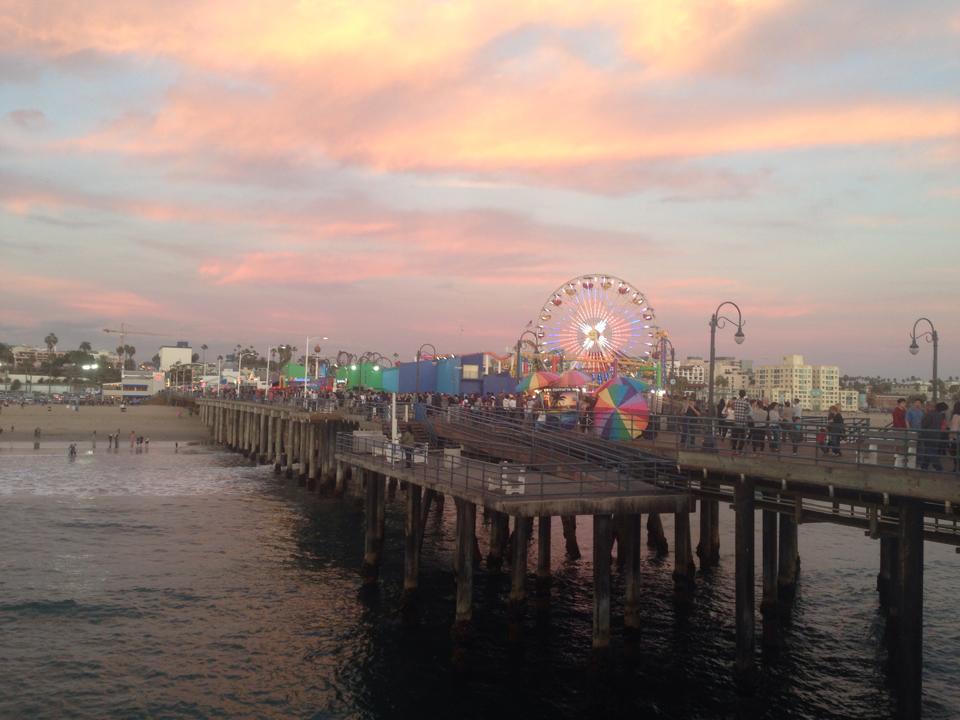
pixel 135 384
pixel 817 387
pixel 171 355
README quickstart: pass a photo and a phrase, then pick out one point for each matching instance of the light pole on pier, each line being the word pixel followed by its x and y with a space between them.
pixel 718 321
pixel 931 337
pixel 536 350
pixel 419 358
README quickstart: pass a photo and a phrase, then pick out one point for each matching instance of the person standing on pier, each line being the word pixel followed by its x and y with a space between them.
pixel 836 430
pixel 930 426
pixel 955 436
pixel 741 414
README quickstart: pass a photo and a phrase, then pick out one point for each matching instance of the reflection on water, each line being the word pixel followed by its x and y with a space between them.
pixel 192 585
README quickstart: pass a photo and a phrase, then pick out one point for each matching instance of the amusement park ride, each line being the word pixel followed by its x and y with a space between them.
pixel 598 324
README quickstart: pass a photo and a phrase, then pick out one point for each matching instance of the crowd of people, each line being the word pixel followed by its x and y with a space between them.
pixel 937 432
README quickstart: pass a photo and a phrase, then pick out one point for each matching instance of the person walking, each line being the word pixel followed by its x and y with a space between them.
pixel 773 421
pixel 688 425
pixel 930 426
pixel 954 429
pixel 741 416
pixel 758 426
pixel 835 430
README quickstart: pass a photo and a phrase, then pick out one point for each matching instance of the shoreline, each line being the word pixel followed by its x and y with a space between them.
pixel 60 424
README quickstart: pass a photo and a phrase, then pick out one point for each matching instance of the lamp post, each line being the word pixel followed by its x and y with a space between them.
pixel 665 373
pixel 419 357
pixel 219 373
pixel 718 321
pixel 931 337
pixel 536 349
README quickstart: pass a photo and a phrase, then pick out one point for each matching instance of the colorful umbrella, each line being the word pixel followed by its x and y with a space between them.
pixel 574 379
pixel 621 411
pixel 537 381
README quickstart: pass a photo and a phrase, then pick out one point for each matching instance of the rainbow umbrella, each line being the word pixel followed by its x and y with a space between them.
pixel 621 412
pixel 575 379
pixel 537 381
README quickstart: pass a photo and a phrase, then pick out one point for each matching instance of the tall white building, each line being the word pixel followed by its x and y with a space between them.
pixel 817 387
pixel 171 355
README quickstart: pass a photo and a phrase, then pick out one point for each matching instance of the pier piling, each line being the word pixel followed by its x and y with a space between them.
pixel 543 562
pixel 684 571
pixel 769 610
pixel 632 529
pixel 602 544
pixel 910 621
pixel 744 667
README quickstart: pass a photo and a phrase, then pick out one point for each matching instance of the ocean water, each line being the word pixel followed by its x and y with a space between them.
pixel 191 585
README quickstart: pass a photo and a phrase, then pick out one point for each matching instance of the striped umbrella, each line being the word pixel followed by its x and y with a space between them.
pixel 537 381
pixel 621 412
pixel 575 379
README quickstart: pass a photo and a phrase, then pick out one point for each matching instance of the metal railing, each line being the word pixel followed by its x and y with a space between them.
pixel 555 480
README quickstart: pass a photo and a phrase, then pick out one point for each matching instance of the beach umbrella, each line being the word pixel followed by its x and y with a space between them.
pixel 621 412
pixel 574 379
pixel 537 381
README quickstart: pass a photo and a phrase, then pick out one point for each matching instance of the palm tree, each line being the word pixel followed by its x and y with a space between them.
pixel 130 351
pixel 51 341
pixel 203 354
pixel 85 347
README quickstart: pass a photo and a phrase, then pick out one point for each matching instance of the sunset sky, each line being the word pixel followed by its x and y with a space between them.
pixel 391 173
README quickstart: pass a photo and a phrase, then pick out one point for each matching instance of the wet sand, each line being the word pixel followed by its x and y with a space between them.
pixel 60 423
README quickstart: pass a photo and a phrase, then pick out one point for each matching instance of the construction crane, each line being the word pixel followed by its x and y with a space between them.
pixel 123 332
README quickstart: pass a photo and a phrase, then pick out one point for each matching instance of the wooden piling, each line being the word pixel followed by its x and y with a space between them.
pixel 744 667
pixel 769 610
pixel 373 536
pixel 542 588
pixel 910 622
pixel 499 532
pixel 569 523
pixel 411 548
pixel 602 542
pixel 788 571
pixel 312 456
pixel 466 531
pixel 518 570
pixel 630 541
pixel 684 571
pixel 656 538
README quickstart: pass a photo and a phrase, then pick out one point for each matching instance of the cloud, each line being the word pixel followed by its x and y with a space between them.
pixel 503 91
pixel 27 118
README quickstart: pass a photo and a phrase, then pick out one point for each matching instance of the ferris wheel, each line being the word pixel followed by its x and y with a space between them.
pixel 593 321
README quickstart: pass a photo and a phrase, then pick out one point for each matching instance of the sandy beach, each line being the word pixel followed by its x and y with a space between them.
pixel 61 423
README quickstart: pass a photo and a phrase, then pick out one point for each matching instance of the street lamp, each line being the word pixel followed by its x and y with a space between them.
pixel 931 337
pixel 666 374
pixel 419 357
pixel 718 321
pixel 536 349
pixel 219 373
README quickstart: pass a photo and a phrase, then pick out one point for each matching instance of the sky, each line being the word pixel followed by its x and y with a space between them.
pixel 388 172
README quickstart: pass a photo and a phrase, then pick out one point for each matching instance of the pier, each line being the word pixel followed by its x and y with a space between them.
pixel 516 473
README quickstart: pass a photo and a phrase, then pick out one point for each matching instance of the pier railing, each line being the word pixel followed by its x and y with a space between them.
pixel 445 468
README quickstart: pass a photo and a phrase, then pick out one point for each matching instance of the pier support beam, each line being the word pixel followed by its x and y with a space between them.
pixel 518 569
pixel 888 581
pixel 569 523
pixel 499 533
pixel 303 450
pixel 411 551
pixel 769 558
pixel 744 667
pixel 340 481
pixel 543 562
pixel 656 538
pixel 466 532
pixel 263 441
pixel 630 542
pixel 684 571
pixel 910 622
pixel 373 537
pixel 708 547
pixel 788 571
pixel 602 545
pixel 312 456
